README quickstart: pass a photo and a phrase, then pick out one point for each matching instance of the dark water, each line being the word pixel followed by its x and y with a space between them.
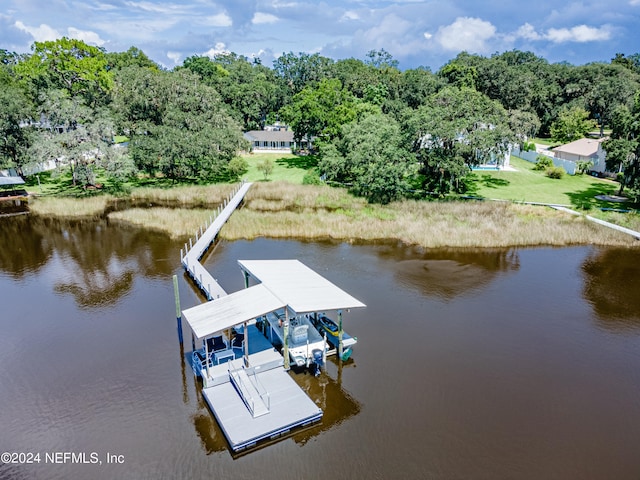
pixel 470 364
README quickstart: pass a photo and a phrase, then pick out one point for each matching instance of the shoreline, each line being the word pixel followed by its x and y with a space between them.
pixel 283 210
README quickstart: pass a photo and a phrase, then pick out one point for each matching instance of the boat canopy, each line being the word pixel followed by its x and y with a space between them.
pixel 298 287
pixel 231 310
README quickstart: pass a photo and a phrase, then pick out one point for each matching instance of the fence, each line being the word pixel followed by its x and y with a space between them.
pixel 568 165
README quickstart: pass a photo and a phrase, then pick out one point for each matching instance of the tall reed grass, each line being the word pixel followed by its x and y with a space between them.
pixel 198 196
pixel 66 207
pixel 285 211
pixel 177 222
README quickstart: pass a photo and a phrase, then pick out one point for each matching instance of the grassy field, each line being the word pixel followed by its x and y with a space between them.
pixel 528 185
pixel 287 167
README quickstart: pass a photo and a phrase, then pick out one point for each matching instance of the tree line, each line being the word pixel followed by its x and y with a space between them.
pixel 385 133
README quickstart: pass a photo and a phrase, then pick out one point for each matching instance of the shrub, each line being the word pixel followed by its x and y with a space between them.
pixel 237 167
pixel 529 147
pixel 555 172
pixel 543 162
pixel 584 166
pixel 311 178
pixel 266 167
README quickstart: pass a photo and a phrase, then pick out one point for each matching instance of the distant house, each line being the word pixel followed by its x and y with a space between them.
pixel 274 138
pixel 9 181
pixel 585 149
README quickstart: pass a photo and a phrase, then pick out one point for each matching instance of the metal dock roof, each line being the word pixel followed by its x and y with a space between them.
pixel 231 310
pixel 299 287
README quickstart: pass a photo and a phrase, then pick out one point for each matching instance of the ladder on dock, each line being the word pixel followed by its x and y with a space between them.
pixel 253 394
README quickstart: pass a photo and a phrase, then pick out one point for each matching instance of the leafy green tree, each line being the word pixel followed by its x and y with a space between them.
pixel 303 70
pixel 623 148
pixel 370 155
pixel 132 57
pixel 15 110
pixel 70 65
pixel 457 129
pixel 525 125
pixel 266 167
pixel 610 87
pixel 249 89
pixel 177 125
pixel 321 111
pixel 572 124
pixel 459 75
pixel 418 85
pixel 76 136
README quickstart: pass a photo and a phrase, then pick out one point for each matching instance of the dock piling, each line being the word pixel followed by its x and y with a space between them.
pixel 176 292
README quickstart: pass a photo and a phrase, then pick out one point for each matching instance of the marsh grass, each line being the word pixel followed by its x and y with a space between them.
pixel 176 222
pixel 67 207
pixel 289 211
pixel 197 196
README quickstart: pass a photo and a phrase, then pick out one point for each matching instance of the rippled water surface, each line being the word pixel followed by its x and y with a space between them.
pixel 521 363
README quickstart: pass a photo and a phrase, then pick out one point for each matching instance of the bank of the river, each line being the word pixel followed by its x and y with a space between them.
pixel 283 210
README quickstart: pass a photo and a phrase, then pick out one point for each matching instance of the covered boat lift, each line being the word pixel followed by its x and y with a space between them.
pixel 252 397
pixel 303 290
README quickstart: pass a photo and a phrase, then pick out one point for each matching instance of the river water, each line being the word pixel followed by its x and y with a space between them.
pixel 516 363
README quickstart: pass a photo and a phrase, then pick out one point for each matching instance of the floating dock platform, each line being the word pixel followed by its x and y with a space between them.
pixel 288 407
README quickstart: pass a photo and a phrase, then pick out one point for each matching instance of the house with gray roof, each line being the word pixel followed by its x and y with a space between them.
pixel 584 149
pixel 275 139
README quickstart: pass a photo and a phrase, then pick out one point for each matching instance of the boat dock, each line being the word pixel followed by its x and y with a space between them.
pixel 191 255
pixel 245 379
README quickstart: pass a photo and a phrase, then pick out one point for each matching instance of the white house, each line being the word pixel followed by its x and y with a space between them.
pixel 584 149
pixel 274 138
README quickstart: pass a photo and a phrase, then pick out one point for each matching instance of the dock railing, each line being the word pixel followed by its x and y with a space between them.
pixel 206 234
pixel 256 408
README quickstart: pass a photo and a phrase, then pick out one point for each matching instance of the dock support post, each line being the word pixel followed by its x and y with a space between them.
pixel 246 327
pixel 190 244
pixel 176 292
pixel 340 346
pixel 287 366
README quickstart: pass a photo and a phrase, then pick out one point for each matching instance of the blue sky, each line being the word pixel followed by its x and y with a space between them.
pixel 415 32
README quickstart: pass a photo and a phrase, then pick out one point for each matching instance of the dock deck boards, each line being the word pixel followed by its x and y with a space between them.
pixel 191 259
pixel 290 408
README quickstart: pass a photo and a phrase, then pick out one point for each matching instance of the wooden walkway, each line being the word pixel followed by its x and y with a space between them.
pixel 628 231
pixel 191 255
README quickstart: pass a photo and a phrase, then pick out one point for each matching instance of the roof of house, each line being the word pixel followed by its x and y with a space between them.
pixel 269 135
pixel 585 147
pixel 8 177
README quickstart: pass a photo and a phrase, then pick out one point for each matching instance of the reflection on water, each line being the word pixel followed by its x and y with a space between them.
pixel 525 380
pixel 96 265
pixel 612 287
pixel 449 273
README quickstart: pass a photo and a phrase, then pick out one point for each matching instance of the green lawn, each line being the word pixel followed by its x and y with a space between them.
pixel 529 185
pixel 288 167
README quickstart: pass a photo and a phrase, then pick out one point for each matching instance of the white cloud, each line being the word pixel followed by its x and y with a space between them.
pixel 43 33
pixel 580 34
pixel 427 35
pixel 634 3
pixel 88 37
pixel 219 20
pixel 349 15
pixel 165 9
pixel 261 18
pixel 219 48
pixel 470 34
pixel 174 57
pixel 527 32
